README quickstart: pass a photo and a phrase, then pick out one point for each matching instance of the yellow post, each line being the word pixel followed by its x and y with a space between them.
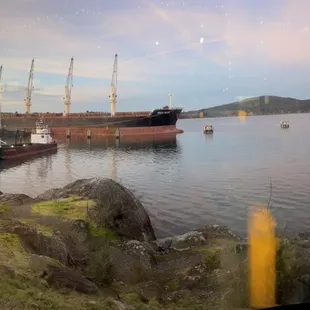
pixel 262 257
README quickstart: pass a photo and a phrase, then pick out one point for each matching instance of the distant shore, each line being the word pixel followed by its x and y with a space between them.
pixel 249 115
pixel 262 105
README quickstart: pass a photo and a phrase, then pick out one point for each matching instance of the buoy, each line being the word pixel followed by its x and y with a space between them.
pixel 284 124
pixel 208 129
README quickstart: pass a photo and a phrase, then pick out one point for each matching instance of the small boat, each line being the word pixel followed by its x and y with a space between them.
pixel 208 129
pixel 41 142
pixel 284 124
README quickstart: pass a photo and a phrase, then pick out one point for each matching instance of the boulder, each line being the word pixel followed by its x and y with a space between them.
pixel 35 242
pixel 131 263
pixel 181 242
pixel 58 275
pixel 81 187
pixel 80 230
pixel 218 231
pixel 116 207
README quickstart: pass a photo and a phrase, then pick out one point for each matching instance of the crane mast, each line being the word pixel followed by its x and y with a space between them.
pixel 113 87
pixel 68 88
pixel 170 100
pixel 29 88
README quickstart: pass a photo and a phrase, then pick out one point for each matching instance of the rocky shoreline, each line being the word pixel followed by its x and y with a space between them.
pixel 91 245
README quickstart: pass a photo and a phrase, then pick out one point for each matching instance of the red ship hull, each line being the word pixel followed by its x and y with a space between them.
pixel 125 131
pixel 159 121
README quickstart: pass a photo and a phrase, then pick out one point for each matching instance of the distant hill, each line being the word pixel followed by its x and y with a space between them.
pixel 263 105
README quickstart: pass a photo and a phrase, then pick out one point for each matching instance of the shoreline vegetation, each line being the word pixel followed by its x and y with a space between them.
pixel 91 245
pixel 262 105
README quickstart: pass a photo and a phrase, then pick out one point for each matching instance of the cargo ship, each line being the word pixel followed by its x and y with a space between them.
pixel 159 121
pixel 41 142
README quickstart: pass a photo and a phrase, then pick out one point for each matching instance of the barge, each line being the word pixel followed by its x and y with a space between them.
pixel 41 142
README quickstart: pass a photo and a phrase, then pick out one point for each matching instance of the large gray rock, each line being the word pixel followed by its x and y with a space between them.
pixel 116 206
pixel 118 209
pixel 132 262
pixel 35 242
pixel 82 187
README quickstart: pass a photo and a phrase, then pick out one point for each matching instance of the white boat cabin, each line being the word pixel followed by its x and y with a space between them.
pixel 208 129
pixel 41 134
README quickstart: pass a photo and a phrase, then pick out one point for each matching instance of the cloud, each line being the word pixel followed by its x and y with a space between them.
pixel 156 43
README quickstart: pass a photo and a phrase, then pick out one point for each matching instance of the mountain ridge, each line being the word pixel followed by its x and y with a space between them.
pixel 260 105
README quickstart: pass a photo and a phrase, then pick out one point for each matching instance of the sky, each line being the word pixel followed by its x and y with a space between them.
pixel 205 52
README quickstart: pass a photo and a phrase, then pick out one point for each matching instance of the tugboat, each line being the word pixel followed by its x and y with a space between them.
pixel 208 129
pixel 41 142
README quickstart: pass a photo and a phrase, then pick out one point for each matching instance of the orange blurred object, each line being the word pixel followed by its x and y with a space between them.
pixel 262 257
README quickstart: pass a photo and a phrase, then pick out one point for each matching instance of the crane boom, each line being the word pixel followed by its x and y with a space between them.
pixel 113 87
pixel 68 89
pixel 29 88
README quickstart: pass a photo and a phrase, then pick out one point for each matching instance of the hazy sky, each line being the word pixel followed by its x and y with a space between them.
pixel 205 52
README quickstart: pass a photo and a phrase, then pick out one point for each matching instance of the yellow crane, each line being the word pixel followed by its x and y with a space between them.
pixel 113 87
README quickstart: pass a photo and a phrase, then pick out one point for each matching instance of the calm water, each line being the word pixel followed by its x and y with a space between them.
pixel 191 180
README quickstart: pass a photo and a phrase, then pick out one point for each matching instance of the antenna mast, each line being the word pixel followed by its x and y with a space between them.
pixel 68 88
pixel 170 100
pixel 29 88
pixel 113 87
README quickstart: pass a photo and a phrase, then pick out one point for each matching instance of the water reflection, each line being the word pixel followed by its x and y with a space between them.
pixel 159 144
pixel 45 165
pixel 44 160
pixel 114 166
pixel 114 153
pixel 208 137
pixel 68 162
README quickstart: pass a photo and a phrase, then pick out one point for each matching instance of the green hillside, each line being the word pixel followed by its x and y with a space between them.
pixel 263 105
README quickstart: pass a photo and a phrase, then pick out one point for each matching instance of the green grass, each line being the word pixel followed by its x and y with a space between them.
pixel 97 231
pixel 212 258
pixel 72 208
pixel 24 291
pixel 21 293
pixel 12 253
pixel 5 209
